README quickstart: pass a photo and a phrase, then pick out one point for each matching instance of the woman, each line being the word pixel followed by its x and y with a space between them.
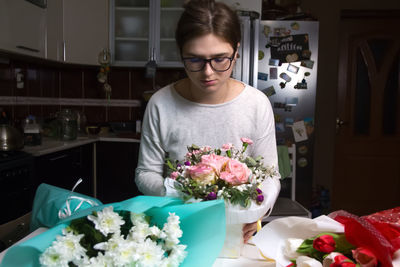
pixel 208 107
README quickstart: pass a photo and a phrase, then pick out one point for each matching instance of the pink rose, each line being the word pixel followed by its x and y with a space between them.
pixel 365 257
pixel 235 172
pixel 246 140
pixel 227 146
pixel 174 175
pixel 202 173
pixel 215 161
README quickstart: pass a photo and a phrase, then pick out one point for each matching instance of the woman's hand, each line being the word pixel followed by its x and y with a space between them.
pixel 248 230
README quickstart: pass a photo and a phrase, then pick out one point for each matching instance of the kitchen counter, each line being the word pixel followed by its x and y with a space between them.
pixel 50 145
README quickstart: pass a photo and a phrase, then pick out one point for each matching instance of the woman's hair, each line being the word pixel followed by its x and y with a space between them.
pixel 202 17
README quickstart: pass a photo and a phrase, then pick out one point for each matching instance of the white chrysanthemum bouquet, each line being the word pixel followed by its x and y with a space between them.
pixel 122 238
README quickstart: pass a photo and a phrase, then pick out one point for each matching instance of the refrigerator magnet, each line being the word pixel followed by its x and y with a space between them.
pixel 295 26
pixel 303 150
pixel 267 30
pixel 292 57
pixel 263 76
pixel 302 162
pixel 280 127
pixel 286 77
pixel 292 68
pixel 260 54
pixel 301 85
pixel 269 91
pixel 273 73
pixel 307 64
pixel 292 101
pixel 273 62
pixel 299 131
pixel 289 121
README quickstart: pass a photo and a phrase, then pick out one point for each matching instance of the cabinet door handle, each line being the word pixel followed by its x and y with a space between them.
pixel 64 52
pixel 27 48
pixel 59 157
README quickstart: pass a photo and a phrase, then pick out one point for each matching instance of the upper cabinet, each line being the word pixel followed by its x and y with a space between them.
pixel 143 30
pixel 23 27
pixel 77 30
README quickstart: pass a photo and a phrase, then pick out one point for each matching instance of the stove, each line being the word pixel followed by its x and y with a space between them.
pixel 16 184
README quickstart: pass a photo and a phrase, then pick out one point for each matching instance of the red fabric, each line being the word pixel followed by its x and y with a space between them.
pixel 388 223
pixel 361 233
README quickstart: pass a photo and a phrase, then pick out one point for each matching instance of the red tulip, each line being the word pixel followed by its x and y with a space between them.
pixel 324 243
pixel 365 257
pixel 342 261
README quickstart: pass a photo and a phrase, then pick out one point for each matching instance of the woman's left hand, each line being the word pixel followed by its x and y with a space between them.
pixel 248 230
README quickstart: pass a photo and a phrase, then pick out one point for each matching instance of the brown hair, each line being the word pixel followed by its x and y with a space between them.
pixel 202 17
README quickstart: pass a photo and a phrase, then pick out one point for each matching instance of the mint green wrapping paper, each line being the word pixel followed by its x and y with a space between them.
pixel 203 226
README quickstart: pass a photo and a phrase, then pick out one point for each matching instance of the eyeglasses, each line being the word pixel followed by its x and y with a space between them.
pixel 219 64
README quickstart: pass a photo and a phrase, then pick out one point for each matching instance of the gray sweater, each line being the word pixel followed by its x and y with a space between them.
pixel 171 123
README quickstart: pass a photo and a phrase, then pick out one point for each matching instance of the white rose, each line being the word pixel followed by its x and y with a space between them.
pixel 304 261
pixel 291 245
pixel 330 259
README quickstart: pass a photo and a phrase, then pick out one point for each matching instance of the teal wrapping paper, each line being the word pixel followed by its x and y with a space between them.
pixel 203 225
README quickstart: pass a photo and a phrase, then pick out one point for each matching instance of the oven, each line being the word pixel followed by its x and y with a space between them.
pixel 16 195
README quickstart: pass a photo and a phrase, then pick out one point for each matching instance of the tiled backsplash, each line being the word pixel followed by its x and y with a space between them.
pixel 49 87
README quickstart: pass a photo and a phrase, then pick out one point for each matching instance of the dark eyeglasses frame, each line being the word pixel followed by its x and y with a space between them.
pixel 205 61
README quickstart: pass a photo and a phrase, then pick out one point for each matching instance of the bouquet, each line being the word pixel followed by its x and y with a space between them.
pixel 342 239
pixel 123 238
pixel 141 231
pixel 223 173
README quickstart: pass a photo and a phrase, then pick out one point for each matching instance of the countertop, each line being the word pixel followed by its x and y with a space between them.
pixel 51 145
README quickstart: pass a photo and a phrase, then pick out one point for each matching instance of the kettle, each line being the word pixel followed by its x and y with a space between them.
pixel 10 138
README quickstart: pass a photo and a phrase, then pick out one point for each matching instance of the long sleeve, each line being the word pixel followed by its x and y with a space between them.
pixel 149 172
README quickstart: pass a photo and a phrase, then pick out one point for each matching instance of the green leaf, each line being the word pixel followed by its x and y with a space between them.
pixel 250 162
pixel 170 165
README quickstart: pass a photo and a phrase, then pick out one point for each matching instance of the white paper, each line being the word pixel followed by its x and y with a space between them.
pixel 271 238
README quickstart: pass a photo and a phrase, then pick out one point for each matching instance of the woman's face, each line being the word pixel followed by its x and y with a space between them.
pixel 208 46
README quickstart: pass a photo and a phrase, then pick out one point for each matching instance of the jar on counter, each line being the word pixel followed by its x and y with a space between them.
pixel 68 124
pixel 32 135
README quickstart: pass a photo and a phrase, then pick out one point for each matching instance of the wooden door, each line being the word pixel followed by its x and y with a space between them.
pixel 367 148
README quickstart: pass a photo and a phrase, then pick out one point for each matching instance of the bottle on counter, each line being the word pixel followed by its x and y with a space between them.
pixel 68 124
pixel 32 135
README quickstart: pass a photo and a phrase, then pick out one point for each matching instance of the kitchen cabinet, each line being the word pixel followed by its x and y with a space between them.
pixel 64 168
pixel 143 30
pixel 22 27
pixel 253 5
pixel 116 164
pixel 77 31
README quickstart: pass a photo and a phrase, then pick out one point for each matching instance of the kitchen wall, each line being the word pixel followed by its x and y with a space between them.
pixel 47 79
pixel 328 14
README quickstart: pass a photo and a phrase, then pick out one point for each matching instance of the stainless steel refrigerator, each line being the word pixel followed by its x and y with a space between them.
pixel 280 58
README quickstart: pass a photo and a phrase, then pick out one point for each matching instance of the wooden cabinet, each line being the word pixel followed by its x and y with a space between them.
pixel 142 30
pixel 116 164
pixel 253 5
pixel 22 27
pixel 77 30
pixel 64 168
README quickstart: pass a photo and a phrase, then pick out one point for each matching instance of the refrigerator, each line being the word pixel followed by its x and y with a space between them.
pixel 280 58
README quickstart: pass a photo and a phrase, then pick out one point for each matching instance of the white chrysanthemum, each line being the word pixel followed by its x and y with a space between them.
pixel 107 221
pixel 150 254
pixel 172 230
pixel 138 218
pixel 51 257
pixel 111 245
pixel 139 232
pixel 70 246
pixel 100 261
pixel 125 254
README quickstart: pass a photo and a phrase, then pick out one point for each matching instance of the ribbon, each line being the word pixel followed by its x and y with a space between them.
pixel 66 212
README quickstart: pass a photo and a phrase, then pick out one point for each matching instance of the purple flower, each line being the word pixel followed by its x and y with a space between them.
pixel 187 163
pixel 259 191
pixel 212 196
pixel 260 198
pixel 178 165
